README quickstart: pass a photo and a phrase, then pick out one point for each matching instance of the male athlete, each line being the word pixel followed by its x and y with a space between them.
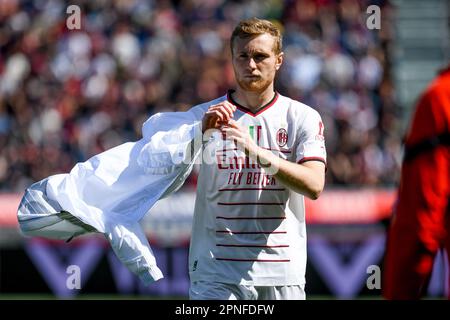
pixel 421 224
pixel 248 235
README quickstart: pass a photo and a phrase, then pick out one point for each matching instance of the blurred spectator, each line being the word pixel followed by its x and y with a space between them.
pixel 66 95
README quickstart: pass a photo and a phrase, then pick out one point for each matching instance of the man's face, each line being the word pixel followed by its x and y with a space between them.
pixel 255 62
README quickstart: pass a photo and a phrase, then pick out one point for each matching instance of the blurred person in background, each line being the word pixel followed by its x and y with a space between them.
pixel 420 225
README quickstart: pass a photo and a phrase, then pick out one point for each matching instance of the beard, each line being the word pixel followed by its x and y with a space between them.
pixel 254 85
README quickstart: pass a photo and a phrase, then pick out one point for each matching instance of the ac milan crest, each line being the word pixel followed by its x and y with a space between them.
pixel 282 137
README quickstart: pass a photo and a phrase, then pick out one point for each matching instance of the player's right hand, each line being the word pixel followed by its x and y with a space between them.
pixel 218 115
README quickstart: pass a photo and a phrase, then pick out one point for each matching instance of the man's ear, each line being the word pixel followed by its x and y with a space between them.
pixel 279 61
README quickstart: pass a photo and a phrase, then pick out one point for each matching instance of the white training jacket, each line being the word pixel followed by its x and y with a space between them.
pixel 112 191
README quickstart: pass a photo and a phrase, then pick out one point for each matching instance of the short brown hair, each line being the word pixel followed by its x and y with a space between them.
pixel 255 27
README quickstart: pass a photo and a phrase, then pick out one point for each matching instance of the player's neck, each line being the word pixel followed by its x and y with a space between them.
pixel 253 100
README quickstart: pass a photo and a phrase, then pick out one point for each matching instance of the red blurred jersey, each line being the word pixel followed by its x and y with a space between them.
pixel 421 223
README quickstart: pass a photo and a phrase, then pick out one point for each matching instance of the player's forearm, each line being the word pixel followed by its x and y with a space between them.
pixel 307 179
pixel 297 177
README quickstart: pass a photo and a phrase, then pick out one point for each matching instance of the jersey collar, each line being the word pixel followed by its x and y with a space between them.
pixel 248 111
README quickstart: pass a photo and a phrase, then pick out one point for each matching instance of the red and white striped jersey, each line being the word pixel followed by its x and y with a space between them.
pixel 248 228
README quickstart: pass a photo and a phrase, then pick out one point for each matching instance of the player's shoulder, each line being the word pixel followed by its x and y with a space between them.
pixel 297 108
pixel 202 107
pixel 199 110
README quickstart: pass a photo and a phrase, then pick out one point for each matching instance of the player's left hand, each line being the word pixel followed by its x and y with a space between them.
pixel 234 132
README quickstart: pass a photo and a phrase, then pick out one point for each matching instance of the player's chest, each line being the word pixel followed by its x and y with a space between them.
pixel 273 132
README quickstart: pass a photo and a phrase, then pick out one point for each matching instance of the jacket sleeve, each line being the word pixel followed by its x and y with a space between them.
pixel 130 245
pixel 173 141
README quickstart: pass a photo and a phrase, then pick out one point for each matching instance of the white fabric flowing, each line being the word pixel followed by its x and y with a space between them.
pixel 112 191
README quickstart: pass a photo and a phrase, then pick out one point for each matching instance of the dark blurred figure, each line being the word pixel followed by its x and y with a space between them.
pixel 421 224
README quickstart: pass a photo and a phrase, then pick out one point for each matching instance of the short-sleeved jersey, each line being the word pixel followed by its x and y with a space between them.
pixel 248 228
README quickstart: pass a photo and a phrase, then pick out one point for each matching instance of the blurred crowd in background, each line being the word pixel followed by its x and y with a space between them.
pixel 66 95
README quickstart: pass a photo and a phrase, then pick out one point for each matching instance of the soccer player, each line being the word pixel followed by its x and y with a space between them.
pixel 249 236
pixel 421 222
